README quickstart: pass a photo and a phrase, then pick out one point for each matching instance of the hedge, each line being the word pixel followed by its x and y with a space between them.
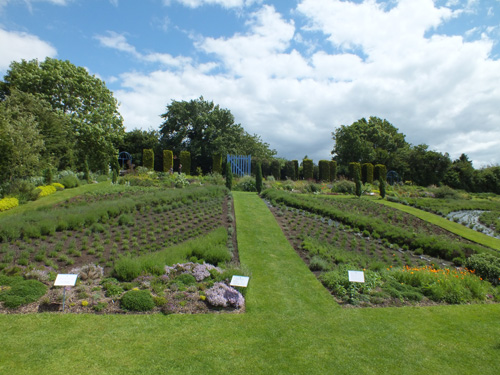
pixel 324 170
pixel 185 160
pixel 333 170
pixel 307 165
pixel 168 160
pixel 367 173
pixel 276 169
pixel 148 158
pixel 379 170
pixel 296 167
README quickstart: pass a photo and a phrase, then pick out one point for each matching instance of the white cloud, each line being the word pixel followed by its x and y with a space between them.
pixel 17 46
pixel 222 3
pixel 119 42
pixel 437 89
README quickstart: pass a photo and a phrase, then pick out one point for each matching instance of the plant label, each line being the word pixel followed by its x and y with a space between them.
pixel 241 281
pixel 65 279
pixel 356 276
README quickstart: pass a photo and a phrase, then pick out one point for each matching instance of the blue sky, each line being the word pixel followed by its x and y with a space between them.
pixel 290 71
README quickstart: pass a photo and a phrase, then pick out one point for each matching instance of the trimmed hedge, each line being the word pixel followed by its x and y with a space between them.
pixel 324 170
pixel 185 161
pixel 296 167
pixel 168 160
pixel 290 170
pixel 367 173
pixel 217 164
pixel 333 170
pixel 307 165
pixel 354 167
pixel 276 169
pixel 380 170
pixel 148 158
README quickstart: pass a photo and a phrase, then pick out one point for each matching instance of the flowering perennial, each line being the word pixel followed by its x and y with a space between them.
pixel 8 203
pixel 222 295
pixel 199 271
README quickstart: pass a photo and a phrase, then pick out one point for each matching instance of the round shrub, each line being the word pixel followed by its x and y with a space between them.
pixel 16 291
pixel 137 300
pixel 126 269
pixel 69 181
pixel 344 187
pixel 486 266
pixel 185 279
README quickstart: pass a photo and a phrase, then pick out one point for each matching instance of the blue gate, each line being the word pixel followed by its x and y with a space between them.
pixel 240 165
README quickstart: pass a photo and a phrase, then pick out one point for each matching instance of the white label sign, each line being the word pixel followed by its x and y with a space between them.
pixel 241 281
pixel 356 276
pixel 65 279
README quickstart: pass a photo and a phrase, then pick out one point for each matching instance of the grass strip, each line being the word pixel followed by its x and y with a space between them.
pixel 450 226
pixel 291 327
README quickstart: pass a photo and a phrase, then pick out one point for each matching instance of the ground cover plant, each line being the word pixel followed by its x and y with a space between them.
pixel 331 248
pixel 121 232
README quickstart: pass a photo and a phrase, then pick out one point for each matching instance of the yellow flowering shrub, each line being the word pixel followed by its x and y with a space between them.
pixel 85 303
pixel 46 190
pixel 8 203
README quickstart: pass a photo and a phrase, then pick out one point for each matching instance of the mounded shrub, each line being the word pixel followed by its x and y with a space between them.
pixel 486 266
pixel 17 292
pixel 148 158
pixel 69 182
pixel 308 168
pixel 137 300
pixel 168 160
pixel 8 203
pixel 126 269
pixel 344 187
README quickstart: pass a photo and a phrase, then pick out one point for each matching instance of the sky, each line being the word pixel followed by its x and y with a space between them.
pixel 291 71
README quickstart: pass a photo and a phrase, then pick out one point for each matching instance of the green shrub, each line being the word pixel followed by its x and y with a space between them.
pixel 308 169
pixel 168 161
pixel 69 182
pixel 16 291
pixel 333 170
pixel 276 169
pixel 446 192
pixel 486 266
pixel 8 203
pixel 137 300
pixel 160 301
pixel 324 170
pixel 126 269
pixel 185 161
pixel 344 187
pixel 246 183
pixel 317 263
pixel 126 219
pixel 258 178
pixel 148 159
pixel 100 306
pixel 367 173
pixel 229 176
pixel 185 279
pixel 217 164
pixel 111 287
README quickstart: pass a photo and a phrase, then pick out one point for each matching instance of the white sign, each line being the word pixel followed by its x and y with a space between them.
pixel 356 276
pixel 241 281
pixel 65 279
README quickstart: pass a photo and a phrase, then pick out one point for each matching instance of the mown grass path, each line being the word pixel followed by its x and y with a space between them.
pixel 292 326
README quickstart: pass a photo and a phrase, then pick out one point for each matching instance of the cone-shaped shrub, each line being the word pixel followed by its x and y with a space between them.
pixel 258 178
pixel 148 158
pixel 185 157
pixel 333 170
pixel 217 164
pixel 168 160
pixel 229 176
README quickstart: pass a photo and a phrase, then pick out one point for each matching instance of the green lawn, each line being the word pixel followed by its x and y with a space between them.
pixel 292 326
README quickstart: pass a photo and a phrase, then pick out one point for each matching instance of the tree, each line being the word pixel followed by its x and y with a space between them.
pixel 21 143
pixel 427 167
pixel 205 129
pixel 461 174
pixel 137 140
pixel 90 106
pixel 372 141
